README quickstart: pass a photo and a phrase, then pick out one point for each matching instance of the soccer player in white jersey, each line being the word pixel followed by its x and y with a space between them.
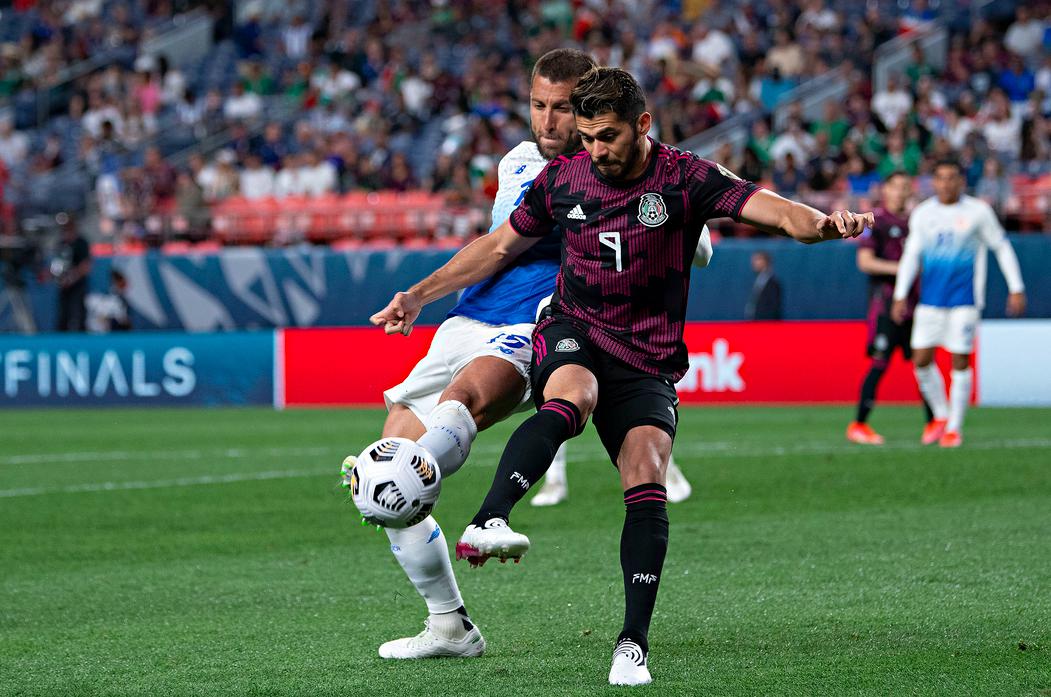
pixel 948 238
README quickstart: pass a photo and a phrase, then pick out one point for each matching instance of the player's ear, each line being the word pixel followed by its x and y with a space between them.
pixel 642 126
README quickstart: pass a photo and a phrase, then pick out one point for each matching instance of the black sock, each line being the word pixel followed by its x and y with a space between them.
pixel 528 456
pixel 868 390
pixel 643 545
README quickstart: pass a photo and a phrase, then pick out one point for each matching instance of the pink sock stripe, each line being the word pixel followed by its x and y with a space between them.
pixel 653 492
pixel 563 411
pixel 648 498
pixel 570 414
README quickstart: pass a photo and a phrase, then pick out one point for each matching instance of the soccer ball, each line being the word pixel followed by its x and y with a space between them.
pixel 395 483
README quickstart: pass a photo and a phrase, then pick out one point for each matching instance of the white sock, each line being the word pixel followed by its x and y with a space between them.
pixel 959 398
pixel 932 387
pixel 450 432
pixel 424 555
pixel 557 471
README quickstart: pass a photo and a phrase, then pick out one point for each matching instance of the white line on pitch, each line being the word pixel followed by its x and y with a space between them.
pixel 118 455
pixel 160 484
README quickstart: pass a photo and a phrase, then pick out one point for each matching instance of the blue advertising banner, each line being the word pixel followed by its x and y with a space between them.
pixel 71 370
pixel 255 288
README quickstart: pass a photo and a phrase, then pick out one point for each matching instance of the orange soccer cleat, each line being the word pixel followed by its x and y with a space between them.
pixel 933 431
pixel 858 432
pixel 951 439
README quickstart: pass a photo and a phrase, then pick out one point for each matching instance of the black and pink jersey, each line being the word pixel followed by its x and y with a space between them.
pixel 627 247
pixel 886 239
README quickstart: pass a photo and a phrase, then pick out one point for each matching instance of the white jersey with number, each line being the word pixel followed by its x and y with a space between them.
pixel 947 246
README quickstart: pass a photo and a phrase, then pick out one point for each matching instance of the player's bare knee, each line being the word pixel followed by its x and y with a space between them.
pixel 401 422
pixel 961 361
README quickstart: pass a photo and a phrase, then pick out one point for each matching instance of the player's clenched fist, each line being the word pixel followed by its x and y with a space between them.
pixel 400 313
pixel 845 224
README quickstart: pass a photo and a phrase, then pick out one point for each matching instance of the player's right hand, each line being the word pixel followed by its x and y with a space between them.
pixel 1015 304
pixel 400 313
pixel 898 310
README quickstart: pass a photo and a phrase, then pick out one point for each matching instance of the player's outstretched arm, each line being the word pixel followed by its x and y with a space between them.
pixel 475 262
pixel 772 213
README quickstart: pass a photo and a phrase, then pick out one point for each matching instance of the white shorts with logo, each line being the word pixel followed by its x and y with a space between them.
pixel 458 341
pixel 952 328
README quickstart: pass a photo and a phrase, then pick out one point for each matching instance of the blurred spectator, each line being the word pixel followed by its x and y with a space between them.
pixel 794 141
pixel 257 180
pixel 17 259
pixel 108 312
pixel 832 123
pixel 14 146
pixel 788 175
pixel 159 174
pixel 220 181
pixel 786 56
pixel 1017 80
pixel 765 300
pixel 1025 36
pixel 191 206
pixel 70 268
pixel 994 188
pixel 900 157
pixel 399 175
pixel 316 176
pixel 1002 130
pixel 241 105
pixel 296 37
pixel 892 103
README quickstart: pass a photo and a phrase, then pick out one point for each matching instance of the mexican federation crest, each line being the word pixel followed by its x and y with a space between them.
pixel 652 211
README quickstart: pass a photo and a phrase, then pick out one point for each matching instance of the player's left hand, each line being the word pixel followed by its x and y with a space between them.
pixel 844 224
pixel 1015 304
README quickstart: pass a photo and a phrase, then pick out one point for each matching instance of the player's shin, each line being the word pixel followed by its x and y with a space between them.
pixel 932 387
pixel 868 389
pixel 450 432
pixel 959 399
pixel 528 455
pixel 424 555
pixel 643 545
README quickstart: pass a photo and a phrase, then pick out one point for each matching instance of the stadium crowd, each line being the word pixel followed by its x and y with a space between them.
pixel 300 100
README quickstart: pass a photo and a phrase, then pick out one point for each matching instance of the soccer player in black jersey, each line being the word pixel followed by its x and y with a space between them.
pixel 610 345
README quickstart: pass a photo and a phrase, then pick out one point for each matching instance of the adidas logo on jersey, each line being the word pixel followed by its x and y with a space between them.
pixel 577 213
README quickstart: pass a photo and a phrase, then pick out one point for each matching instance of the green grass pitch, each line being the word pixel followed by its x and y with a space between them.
pixel 203 552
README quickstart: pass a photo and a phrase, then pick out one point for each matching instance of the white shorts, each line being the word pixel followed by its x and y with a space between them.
pixel 952 328
pixel 457 342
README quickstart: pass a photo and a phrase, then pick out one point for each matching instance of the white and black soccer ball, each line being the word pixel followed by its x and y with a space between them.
pixel 395 483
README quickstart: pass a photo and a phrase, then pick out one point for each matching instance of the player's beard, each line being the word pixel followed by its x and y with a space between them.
pixel 617 169
pixel 568 147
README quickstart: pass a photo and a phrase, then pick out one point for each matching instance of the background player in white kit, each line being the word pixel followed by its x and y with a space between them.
pixel 948 237
pixel 476 371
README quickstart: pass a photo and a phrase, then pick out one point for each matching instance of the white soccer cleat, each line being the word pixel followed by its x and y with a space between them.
pixel 629 665
pixel 678 488
pixel 553 492
pixel 427 644
pixel 495 539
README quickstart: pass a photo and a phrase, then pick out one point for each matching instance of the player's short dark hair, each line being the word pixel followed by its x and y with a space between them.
pixel 948 162
pixel 605 90
pixel 563 65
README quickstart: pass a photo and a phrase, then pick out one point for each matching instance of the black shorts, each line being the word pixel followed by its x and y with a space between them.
pixel 885 335
pixel 627 397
